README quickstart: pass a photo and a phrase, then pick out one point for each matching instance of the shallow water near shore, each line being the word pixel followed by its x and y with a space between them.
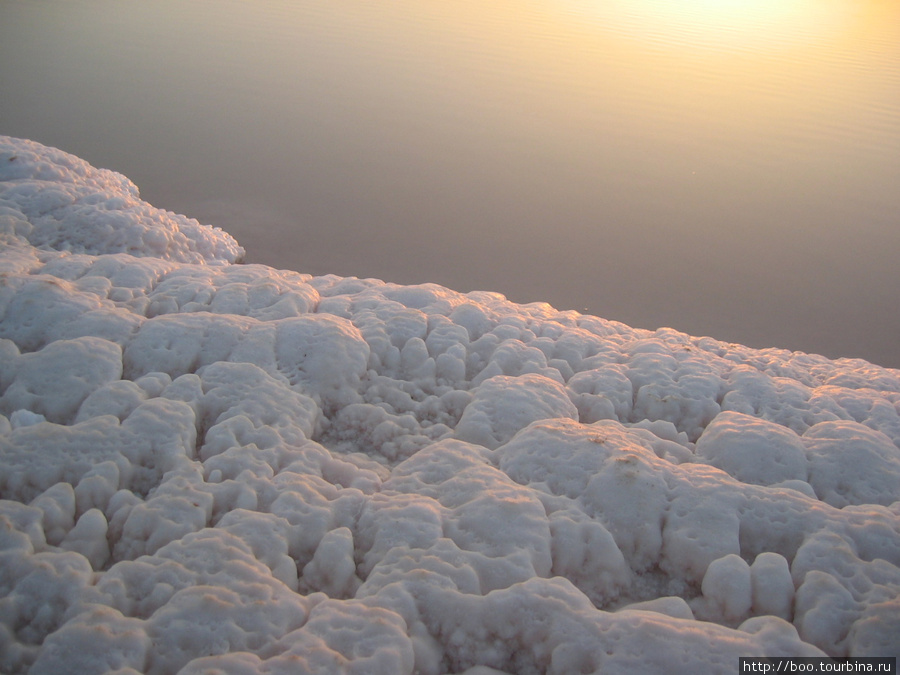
pixel 730 170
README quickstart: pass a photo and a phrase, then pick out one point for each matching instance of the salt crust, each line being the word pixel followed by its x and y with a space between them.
pixel 208 467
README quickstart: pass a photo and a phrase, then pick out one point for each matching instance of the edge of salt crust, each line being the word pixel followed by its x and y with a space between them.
pixel 208 466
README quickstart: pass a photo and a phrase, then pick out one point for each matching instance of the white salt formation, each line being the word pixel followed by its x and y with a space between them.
pixel 209 467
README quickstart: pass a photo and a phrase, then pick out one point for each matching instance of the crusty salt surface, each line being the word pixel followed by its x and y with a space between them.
pixel 214 467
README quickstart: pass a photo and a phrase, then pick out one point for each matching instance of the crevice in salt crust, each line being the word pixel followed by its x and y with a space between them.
pixel 207 466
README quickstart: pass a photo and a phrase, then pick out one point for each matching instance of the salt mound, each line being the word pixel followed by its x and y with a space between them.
pixel 213 467
pixel 56 200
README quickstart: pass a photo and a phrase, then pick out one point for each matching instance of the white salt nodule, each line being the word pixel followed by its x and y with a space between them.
pixel 214 467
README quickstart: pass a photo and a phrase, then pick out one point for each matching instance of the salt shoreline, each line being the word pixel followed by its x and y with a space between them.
pixel 215 465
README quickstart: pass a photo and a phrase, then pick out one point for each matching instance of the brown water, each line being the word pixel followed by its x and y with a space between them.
pixel 725 167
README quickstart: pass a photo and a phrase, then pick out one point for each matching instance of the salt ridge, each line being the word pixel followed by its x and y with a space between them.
pixel 210 467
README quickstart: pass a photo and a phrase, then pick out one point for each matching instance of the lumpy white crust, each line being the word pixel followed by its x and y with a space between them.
pixel 209 467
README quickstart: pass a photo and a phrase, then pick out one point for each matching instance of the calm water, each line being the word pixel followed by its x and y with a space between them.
pixel 725 167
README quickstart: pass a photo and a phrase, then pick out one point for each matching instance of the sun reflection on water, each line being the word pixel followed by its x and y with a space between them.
pixel 730 24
